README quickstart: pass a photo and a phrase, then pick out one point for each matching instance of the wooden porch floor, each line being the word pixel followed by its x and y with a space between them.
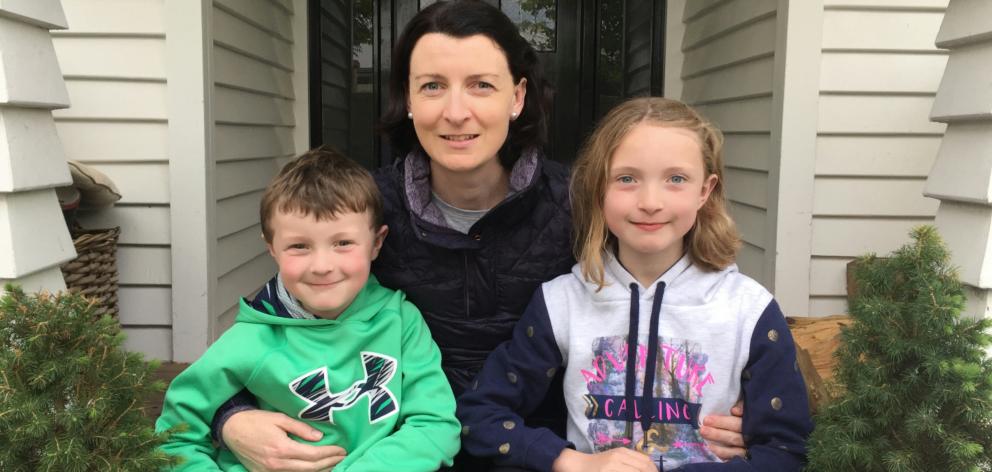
pixel 167 371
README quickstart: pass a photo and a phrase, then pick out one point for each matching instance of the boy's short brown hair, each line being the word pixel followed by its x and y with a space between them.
pixel 324 183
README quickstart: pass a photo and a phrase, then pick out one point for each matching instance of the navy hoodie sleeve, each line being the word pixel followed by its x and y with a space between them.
pixel 510 386
pixel 242 401
pixel 776 410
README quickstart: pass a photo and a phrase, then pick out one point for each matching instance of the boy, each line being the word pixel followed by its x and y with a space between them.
pixel 323 341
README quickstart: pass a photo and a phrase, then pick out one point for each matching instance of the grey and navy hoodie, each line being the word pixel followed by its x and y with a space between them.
pixel 703 340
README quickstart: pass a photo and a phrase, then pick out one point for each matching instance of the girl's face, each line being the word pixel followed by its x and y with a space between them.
pixel 462 95
pixel 657 183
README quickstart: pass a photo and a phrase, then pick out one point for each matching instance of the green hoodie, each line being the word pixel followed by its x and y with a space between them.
pixel 370 380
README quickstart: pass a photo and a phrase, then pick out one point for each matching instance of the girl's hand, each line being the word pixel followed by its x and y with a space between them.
pixel 614 460
pixel 723 433
pixel 259 440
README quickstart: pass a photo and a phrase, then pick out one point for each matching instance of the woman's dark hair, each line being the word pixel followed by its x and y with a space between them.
pixel 461 19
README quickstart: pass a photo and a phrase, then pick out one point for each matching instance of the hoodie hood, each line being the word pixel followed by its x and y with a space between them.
pixel 686 284
pixel 266 307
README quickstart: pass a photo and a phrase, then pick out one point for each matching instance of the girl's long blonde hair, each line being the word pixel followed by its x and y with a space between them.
pixel 713 241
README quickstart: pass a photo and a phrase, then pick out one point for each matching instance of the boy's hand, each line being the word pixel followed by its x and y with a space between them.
pixel 614 460
pixel 259 440
pixel 723 433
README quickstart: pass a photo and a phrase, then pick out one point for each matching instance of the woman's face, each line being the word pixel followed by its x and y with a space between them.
pixel 462 96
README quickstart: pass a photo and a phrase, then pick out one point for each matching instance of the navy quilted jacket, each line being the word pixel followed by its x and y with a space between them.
pixel 472 288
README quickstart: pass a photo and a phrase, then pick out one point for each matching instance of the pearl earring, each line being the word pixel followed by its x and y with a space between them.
pixel 513 115
pixel 409 115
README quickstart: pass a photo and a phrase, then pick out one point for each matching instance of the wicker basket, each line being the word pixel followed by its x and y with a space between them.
pixel 93 272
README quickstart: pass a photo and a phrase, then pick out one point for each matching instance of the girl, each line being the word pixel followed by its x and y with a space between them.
pixel 655 327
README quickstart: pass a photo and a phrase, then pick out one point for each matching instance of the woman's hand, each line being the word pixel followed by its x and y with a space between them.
pixel 723 433
pixel 259 440
pixel 614 460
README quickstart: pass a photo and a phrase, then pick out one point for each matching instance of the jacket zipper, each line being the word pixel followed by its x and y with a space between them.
pixel 465 282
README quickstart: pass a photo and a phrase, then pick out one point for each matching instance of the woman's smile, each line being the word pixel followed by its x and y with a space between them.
pixel 460 141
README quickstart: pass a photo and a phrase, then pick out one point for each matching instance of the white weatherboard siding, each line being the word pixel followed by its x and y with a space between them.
pixel 189 106
pixel 879 73
pixel 255 106
pixel 824 105
pixel 727 71
pixel 34 239
pixel 962 174
pixel 113 60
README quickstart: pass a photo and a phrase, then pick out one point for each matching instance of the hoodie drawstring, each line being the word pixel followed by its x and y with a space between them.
pixel 652 358
pixel 649 369
pixel 631 360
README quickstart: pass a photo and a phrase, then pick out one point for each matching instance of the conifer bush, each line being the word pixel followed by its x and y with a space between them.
pixel 70 398
pixel 917 381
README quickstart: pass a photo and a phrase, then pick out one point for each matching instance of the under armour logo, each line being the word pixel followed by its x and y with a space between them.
pixel 321 401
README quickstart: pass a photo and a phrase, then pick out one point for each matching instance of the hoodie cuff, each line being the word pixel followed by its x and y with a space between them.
pixel 544 450
pixel 221 419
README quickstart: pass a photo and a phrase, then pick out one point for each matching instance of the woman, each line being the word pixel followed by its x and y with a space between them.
pixel 477 217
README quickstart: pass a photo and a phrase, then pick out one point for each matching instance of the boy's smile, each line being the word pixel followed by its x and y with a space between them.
pixel 324 263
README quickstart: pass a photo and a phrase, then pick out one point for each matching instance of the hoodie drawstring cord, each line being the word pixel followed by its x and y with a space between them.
pixel 649 369
pixel 651 361
pixel 631 360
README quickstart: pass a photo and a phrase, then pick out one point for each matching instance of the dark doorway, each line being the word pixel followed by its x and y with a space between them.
pixel 595 53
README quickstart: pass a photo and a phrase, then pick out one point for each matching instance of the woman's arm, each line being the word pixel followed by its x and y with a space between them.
pixel 259 440
pixel 510 386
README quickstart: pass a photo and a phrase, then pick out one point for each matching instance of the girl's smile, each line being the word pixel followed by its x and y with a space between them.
pixel 648 226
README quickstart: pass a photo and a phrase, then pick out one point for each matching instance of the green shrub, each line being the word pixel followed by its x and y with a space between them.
pixel 917 381
pixel 71 399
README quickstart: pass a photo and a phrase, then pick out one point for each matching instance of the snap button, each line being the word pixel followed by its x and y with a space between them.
pixel 776 403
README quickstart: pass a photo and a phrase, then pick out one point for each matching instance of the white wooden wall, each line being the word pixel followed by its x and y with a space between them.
pixel 113 60
pixel 875 144
pixel 190 106
pixel 727 71
pixel 824 104
pixel 962 174
pixel 34 239
pixel 254 97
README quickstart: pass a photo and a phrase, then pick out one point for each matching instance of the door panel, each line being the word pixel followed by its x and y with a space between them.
pixel 595 53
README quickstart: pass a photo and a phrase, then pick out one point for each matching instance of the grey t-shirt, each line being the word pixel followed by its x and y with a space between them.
pixel 458 219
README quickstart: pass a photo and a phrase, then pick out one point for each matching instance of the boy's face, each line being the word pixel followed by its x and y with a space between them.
pixel 324 264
